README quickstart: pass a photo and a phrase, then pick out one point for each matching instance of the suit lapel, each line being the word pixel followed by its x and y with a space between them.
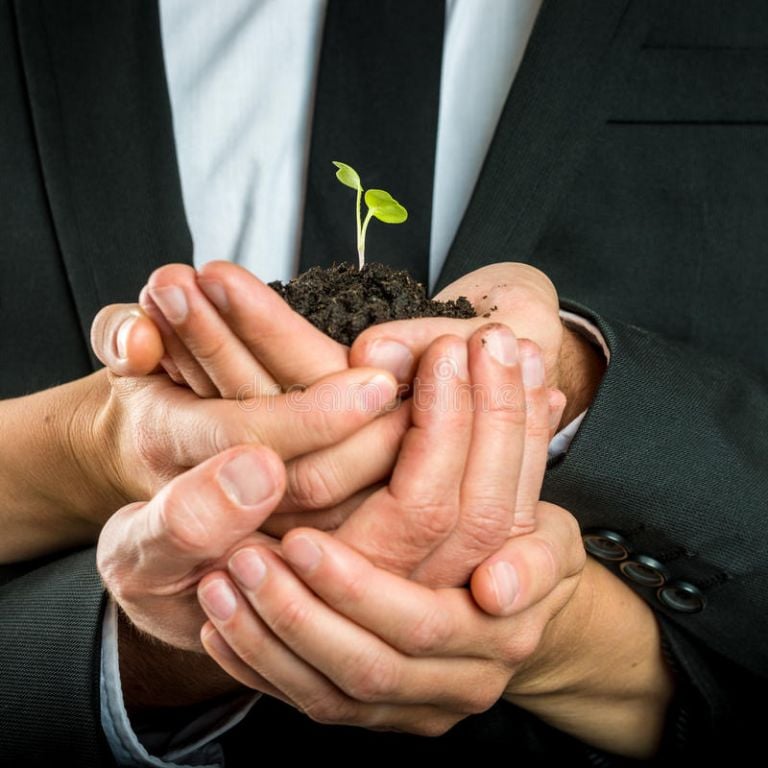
pixel 558 96
pixel 102 120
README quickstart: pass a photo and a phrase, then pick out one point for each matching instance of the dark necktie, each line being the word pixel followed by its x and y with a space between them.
pixel 376 109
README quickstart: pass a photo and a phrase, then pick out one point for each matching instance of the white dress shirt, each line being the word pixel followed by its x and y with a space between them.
pixel 241 77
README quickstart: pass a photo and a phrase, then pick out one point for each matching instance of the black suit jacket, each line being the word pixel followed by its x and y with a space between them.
pixel 630 164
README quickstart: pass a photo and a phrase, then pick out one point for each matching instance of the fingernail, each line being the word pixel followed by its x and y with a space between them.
pixel 219 599
pixel 245 480
pixel 216 294
pixel 505 583
pixel 248 568
pixel 458 357
pixel 533 370
pixel 172 302
pixel 501 345
pixel 377 393
pixel 303 553
pixel 392 356
pixel 122 337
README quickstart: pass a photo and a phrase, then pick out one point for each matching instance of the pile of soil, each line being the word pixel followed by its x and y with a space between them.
pixel 343 301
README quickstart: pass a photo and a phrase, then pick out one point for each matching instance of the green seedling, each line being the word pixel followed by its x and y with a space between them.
pixel 381 205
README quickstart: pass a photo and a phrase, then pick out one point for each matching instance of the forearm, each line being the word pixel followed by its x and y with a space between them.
pixel 54 493
pixel 616 689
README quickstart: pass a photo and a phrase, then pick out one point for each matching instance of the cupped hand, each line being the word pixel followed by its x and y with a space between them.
pixel 517 295
pixel 224 333
pixel 469 472
pixel 152 554
pixel 347 642
pixel 149 430
pixel 221 331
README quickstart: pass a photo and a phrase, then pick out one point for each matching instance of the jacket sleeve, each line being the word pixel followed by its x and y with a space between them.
pixel 50 621
pixel 671 463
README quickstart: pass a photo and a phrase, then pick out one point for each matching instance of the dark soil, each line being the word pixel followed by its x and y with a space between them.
pixel 343 301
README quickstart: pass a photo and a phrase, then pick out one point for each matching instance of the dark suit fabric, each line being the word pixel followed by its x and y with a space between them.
pixel 630 164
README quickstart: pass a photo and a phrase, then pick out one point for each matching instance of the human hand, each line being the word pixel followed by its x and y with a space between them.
pixel 221 331
pixel 517 295
pixel 149 430
pixel 469 472
pixel 347 642
pixel 152 554
pixel 238 339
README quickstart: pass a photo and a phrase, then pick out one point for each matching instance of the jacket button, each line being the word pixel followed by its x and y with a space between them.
pixel 682 597
pixel 645 571
pixel 606 545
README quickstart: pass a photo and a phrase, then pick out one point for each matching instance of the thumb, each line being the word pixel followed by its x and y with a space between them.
pixel 126 340
pixel 530 567
pixel 192 521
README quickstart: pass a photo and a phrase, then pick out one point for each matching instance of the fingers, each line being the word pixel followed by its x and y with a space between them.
pixel 538 430
pixel 517 295
pixel 126 340
pixel 398 527
pixel 529 568
pixel 394 346
pixel 292 424
pixel 353 659
pixel 326 478
pixel 277 525
pixel 204 348
pixel 150 555
pixel 197 516
pixel 469 473
pixel 409 616
pixel 216 647
pixel 557 402
pixel 491 474
pixel 286 344
pixel 178 363
pixel 313 694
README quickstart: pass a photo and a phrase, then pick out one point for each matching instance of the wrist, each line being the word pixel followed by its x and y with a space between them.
pixel 599 673
pixel 581 367
pixel 90 444
pixel 48 468
pixel 155 675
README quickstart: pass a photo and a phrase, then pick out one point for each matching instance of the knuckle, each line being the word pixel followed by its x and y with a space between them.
pixel 482 697
pixel 178 521
pixel 352 590
pixel 430 521
pixel 544 555
pixel 507 416
pixel 290 619
pixel 434 727
pixel 372 677
pixel 429 635
pixel 331 708
pixel 520 647
pixel 487 522
pixel 540 433
pixel 313 484
pixel 324 422
pixel 210 351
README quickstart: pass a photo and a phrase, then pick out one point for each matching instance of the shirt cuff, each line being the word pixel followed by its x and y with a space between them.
pixel 562 440
pixel 190 747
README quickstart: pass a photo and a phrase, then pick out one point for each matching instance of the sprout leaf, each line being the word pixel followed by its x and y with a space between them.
pixel 384 207
pixel 381 205
pixel 347 175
